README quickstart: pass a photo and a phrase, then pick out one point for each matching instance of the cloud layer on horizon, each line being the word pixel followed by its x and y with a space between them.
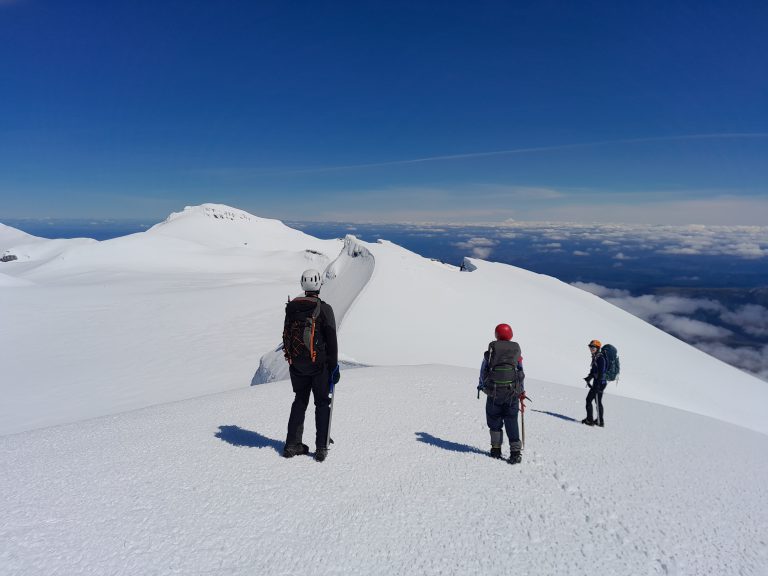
pixel 617 241
pixel 673 315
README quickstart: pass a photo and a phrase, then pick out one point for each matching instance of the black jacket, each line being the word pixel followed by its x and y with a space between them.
pixel 328 354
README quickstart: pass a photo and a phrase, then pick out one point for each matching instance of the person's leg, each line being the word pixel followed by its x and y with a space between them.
pixel 495 421
pixel 600 421
pixel 320 391
pixel 301 387
pixel 510 424
pixel 511 410
pixel 590 398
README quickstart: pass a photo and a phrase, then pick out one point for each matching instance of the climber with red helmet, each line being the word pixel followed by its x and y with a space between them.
pixel 502 380
pixel 596 383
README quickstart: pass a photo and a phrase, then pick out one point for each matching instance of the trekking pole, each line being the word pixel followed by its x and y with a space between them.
pixel 331 395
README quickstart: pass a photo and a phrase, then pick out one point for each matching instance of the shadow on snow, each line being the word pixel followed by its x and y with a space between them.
pixel 556 415
pixel 447 444
pixel 240 437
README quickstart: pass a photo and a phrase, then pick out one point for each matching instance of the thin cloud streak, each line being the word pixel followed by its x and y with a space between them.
pixel 514 151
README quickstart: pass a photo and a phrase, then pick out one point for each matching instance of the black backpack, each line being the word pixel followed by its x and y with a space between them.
pixel 501 376
pixel 303 343
pixel 612 364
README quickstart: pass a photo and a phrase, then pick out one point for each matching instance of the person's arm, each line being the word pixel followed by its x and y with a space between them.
pixel 329 334
pixel 600 369
pixel 483 369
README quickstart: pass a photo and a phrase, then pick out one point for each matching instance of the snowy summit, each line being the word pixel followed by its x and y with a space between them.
pixel 145 402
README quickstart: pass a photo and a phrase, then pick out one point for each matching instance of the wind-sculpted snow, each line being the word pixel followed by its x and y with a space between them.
pixel 344 280
pixel 199 487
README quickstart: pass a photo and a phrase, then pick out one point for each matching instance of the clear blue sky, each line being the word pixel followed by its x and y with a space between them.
pixel 653 111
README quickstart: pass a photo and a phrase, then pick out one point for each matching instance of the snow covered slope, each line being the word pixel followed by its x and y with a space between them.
pixel 199 487
pixel 418 311
pixel 185 309
pixel 191 306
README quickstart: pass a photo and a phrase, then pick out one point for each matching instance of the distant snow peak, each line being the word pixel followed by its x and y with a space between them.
pixel 214 211
pixel 224 213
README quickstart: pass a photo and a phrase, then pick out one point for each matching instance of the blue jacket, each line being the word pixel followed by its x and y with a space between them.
pixel 597 371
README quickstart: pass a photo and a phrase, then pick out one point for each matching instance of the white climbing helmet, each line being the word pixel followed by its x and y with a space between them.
pixel 311 280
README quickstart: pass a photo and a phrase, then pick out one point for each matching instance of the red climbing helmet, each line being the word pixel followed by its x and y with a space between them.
pixel 503 332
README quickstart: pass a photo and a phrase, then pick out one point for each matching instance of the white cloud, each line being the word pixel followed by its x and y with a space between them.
pixel 752 318
pixel 753 360
pixel 748 242
pixel 602 291
pixel 673 314
pixel 689 329
pixel 482 253
pixel 549 247
pixel 649 307
pixel 580 253
pixel 480 247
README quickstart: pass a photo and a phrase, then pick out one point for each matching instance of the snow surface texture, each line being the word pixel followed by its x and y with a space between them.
pixel 181 315
pixel 199 487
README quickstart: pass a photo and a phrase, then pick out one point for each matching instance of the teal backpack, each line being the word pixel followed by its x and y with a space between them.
pixel 612 364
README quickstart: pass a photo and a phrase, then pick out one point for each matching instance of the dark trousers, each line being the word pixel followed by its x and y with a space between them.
pixel 302 386
pixel 500 413
pixel 595 394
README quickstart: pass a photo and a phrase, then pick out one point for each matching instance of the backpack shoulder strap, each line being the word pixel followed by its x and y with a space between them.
pixel 318 309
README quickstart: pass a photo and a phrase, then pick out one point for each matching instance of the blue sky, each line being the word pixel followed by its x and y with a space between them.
pixel 652 112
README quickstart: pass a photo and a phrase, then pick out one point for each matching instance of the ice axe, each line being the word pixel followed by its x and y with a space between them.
pixel 523 398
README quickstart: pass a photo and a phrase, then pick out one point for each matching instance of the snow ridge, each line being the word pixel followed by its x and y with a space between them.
pixel 344 280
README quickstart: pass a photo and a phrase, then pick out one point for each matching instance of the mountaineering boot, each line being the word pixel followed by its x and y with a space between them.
pixel 601 424
pixel 321 454
pixel 497 437
pixel 588 422
pixel 292 450
pixel 515 452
